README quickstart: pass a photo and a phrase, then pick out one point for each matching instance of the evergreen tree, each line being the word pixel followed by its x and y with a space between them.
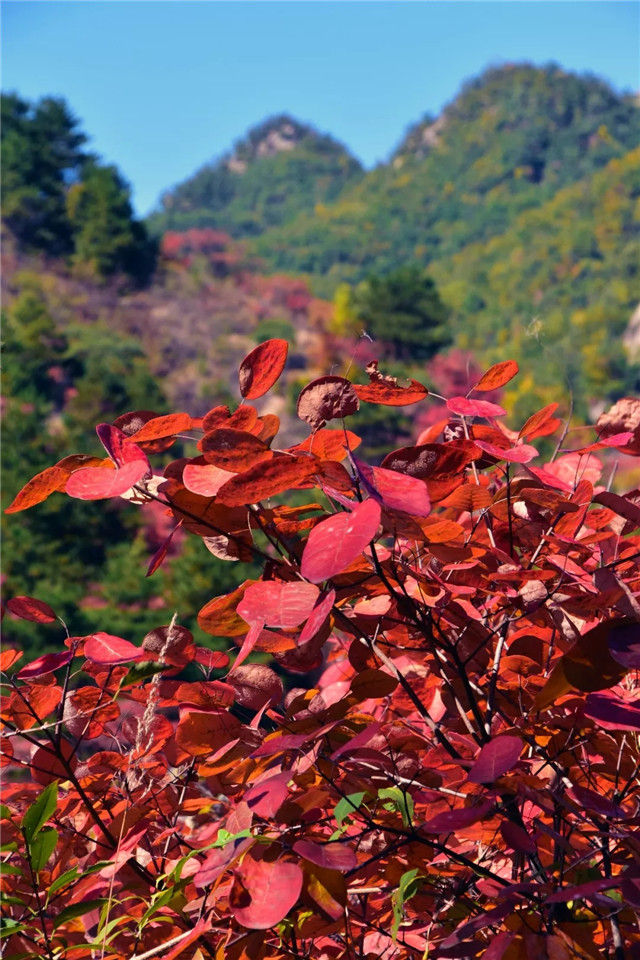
pixel 404 310
pixel 41 154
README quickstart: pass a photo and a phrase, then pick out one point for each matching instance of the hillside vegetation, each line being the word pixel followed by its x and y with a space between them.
pixel 508 225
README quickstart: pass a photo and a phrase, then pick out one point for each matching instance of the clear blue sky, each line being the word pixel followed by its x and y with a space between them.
pixel 162 87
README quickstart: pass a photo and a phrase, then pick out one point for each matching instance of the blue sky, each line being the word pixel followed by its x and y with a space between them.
pixel 162 87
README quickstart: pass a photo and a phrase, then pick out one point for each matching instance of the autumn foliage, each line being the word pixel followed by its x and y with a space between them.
pixel 437 754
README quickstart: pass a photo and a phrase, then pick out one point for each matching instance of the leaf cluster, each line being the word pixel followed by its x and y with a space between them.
pixel 461 780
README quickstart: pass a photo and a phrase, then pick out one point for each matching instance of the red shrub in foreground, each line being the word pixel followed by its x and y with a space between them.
pixel 462 781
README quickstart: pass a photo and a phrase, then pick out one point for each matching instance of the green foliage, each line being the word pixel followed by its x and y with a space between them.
pixel 107 238
pixel 41 150
pixel 507 143
pixel 281 168
pixel 404 310
pixel 60 200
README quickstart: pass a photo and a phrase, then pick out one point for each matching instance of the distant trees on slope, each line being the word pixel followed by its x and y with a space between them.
pixel 60 200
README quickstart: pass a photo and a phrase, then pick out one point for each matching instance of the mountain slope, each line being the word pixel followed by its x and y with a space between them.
pixel 507 143
pixel 280 169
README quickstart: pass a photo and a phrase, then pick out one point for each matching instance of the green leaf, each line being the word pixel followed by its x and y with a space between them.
pixel 5 812
pixel 76 910
pixel 399 801
pixel 40 811
pixel 142 671
pixel 407 888
pixel 42 847
pixel 61 881
pixel 347 806
pixel 8 927
pixel 7 869
pixel 10 847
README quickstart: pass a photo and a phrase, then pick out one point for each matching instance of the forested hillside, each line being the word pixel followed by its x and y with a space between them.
pixel 507 226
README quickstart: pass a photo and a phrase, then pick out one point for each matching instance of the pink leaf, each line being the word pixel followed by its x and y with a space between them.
pixel 266 798
pixel 204 478
pixel 317 617
pixel 94 483
pixel 332 856
pixel 495 758
pixel 105 648
pixel 338 541
pixel 474 408
pixel 523 453
pixel 394 490
pixel 276 604
pixel 266 892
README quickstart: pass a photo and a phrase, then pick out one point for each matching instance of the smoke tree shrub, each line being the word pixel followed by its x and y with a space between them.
pixel 461 780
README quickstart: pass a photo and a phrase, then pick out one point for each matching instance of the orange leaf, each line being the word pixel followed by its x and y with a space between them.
pixel 262 367
pixel 161 427
pixel 468 497
pixel 537 420
pixel 329 444
pixel 219 617
pixel 391 394
pixel 497 376
pixel 266 479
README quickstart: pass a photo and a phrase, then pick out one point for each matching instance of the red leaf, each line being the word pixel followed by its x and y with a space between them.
pixel 620 505
pixel 47 766
pixel 114 440
pixel 391 394
pixel 275 604
pixel 158 557
pixel 338 541
pixel 105 648
pixel 93 483
pixel 517 838
pixel 264 892
pixel 327 398
pixel 160 427
pixel 262 367
pixel 332 856
pixel 48 663
pixel 234 450
pixel 612 712
pixel 28 608
pixel 255 685
pixel 211 659
pixel 537 421
pixel 497 376
pixel 456 819
pixel 474 408
pixel 267 479
pixel 495 758
pixel 519 454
